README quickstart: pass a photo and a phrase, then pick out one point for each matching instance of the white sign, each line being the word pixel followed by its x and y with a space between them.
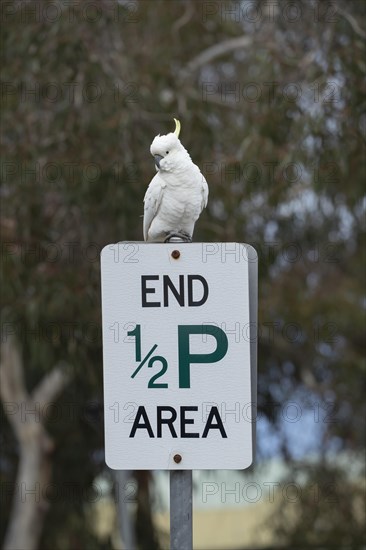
pixel 179 351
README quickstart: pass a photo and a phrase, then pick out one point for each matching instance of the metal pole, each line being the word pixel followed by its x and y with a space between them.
pixel 181 537
pixel 181 510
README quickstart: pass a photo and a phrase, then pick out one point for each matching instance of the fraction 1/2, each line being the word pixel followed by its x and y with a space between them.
pixel 136 332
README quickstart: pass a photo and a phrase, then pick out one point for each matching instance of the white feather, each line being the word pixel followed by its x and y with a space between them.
pixel 152 201
pixel 176 195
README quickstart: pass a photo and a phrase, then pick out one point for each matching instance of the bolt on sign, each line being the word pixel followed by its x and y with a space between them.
pixel 179 353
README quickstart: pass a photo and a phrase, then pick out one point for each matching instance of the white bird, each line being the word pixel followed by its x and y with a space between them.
pixel 176 195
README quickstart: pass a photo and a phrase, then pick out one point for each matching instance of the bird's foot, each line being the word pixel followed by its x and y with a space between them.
pixel 181 235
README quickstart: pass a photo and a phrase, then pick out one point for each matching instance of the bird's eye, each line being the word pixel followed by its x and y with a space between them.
pixel 166 152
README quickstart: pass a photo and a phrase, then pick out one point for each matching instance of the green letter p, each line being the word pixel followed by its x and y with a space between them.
pixel 186 358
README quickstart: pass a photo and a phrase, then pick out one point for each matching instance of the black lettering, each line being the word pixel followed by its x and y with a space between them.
pixel 179 296
pixel 184 421
pixel 145 290
pixel 192 278
pixel 168 421
pixel 141 413
pixel 211 426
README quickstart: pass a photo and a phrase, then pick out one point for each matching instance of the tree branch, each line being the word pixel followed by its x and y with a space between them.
pixel 25 413
pixel 11 373
pixel 51 386
pixel 213 52
pixel 12 387
pixel 352 21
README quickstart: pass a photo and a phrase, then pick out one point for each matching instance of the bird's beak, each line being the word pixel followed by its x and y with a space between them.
pixel 158 158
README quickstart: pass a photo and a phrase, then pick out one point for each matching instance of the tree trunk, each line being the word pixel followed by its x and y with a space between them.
pixel 24 412
pixel 146 535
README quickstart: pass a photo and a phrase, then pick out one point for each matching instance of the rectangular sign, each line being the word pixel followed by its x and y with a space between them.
pixel 179 352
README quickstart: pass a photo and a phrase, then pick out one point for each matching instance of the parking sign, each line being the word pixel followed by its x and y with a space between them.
pixel 179 339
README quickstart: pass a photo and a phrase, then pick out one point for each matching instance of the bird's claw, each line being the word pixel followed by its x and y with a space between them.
pixel 178 235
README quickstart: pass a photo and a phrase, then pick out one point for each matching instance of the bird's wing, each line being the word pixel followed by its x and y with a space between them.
pixel 204 193
pixel 152 201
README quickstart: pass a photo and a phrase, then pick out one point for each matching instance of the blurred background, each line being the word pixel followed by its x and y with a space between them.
pixel 271 96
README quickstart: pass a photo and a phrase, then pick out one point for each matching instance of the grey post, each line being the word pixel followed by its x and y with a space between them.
pixel 181 537
pixel 181 510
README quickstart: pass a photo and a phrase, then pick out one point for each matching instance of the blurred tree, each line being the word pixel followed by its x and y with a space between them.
pixel 271 99
pixel 26 413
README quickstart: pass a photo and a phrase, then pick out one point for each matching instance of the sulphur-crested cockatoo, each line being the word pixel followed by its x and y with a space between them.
pixel 176 195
